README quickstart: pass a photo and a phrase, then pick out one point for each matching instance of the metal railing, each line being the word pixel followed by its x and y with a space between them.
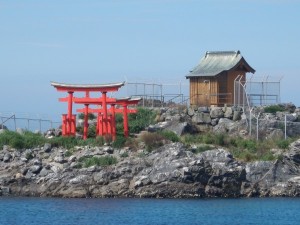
pixel 13 122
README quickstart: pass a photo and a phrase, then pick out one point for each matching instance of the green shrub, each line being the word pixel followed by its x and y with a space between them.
pixel 66 142
pixel 97 161
pixel 91 132
pixel 202 148
pixel 132 143
pixel 246 144
pixel 152 140
pixel 119 142
pixel 68 153
pixel 284 144
pixel 170 135
pixel 219 139
pixel 207 138
pixel 124 155
pixel 191 139
pixel 140 120
pixel 273 109
pixel 33 140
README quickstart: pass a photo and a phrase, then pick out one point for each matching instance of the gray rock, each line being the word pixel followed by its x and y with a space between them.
pixel 72 158
pixel 228 113
pixel 216 112
pixel 236 115
pixel 7 157
pixel 29 175
pixel 44 172
pixel 191 111
pixel 108 149
pixel 5 191
pixel 23 170
pixel 203 109
pixel 214 122
pixel 35 169
pixel 201 118
pixel 37 162
pixel 256 170
pixel 177 128
pixel 47 147
pixel 60 159
pixel 275 134
pixel 79 179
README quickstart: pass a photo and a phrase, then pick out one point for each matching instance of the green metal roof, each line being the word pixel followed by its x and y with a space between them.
pixel 214 63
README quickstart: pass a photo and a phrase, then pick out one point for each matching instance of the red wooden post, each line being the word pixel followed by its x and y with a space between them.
pixel 64 124
pixel 125 120
pixel 86 124
pixel 100 125
pixel 69 118
pixel 73 125
pixel 104 106
pixel 113 122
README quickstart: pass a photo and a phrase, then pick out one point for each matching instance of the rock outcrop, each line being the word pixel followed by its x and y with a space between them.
pixel 171 171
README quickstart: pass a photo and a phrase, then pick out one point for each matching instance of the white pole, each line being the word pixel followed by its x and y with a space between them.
pixel 250 125
pixel 285 127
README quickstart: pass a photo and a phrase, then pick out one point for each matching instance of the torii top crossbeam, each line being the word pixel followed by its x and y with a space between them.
pixel 87 87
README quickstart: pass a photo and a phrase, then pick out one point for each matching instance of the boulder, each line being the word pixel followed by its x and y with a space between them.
pixel 203 109
pixel 35 169
pixel 216 112
pixel 236 115
pixel 47 147
pixel 7 157
pixel 59 159
pixel 228 113
pixel 275 134
pixel 190 111
pixel 201 118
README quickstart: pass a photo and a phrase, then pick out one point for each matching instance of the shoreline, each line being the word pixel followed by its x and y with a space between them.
pixel 170 172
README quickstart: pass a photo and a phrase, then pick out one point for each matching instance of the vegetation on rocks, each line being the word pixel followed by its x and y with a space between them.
pixel 20 141
pixel 274 108
pixel 97 161
pixel 241 148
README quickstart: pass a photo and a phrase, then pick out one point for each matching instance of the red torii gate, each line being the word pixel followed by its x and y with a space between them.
pixel 69 125
pixel 108 126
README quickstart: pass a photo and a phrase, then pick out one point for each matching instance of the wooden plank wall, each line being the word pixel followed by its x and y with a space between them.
pixel 203 91
pixel 206 91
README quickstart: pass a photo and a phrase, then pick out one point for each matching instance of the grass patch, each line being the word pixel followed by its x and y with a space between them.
pixel 201 148
pixel 124 155
pixel 21 141
pixel 97 161
pixel 169 135
pixel 273 109
pixel 152 140
pixel 119 142
pixel 243 149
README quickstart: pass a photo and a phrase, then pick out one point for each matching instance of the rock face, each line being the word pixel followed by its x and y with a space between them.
pixel 170 171
pixel 231 120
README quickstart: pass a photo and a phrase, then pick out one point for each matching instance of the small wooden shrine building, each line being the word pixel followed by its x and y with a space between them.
pixel 212 80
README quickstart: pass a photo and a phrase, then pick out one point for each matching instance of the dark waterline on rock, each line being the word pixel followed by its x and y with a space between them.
pixel 150 211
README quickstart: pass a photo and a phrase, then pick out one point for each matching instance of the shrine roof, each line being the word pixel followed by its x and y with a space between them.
pixel 87 87
pixel 215 62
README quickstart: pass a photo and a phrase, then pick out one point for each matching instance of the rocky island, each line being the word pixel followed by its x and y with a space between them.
pixel 171 170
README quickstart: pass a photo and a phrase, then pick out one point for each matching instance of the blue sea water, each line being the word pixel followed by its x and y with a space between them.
pixel 258 211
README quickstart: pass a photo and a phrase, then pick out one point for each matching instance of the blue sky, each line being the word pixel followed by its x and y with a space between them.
pixel 97 41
